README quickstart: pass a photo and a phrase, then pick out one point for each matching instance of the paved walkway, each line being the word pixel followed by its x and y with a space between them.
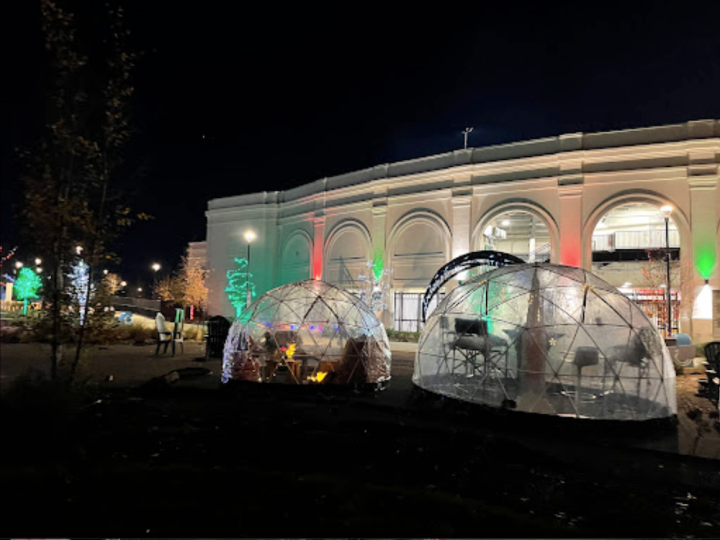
pixel 130 365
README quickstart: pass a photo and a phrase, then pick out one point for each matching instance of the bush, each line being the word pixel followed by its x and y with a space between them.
pixel 406 337
pixel 700 349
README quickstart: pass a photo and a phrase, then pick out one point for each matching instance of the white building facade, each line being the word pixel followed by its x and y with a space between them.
pixel 545 199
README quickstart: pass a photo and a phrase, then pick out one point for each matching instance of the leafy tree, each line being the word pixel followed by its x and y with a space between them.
pixel 193 277
pixel 27 285
pixel 170 289
pixel 69 195
pixel 111 283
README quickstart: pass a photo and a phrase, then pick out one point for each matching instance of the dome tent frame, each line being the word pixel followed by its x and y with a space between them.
pixel 547 339
pixel 308 332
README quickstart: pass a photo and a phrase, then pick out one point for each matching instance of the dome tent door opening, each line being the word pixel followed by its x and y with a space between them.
pixel 547 339
pixel 308 332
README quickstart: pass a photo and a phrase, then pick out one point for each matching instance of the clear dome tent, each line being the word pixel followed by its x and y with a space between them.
pixel 547 339
pixel 309 332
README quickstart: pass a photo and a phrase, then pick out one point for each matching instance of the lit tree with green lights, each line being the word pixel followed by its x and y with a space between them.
pixel 238 286
pixel 27 285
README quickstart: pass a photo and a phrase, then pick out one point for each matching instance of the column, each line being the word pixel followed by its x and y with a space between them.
pixel 704 192
pixel 461 205
pixel 379 224
pixel 318 244
pixel 570 190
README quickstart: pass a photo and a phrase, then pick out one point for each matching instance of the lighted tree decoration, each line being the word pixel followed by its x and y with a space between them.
pixel 27 285
pixel 238 285
pixel 79 279
pixel 376 286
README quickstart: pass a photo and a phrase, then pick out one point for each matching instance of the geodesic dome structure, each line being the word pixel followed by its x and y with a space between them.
pixel 309 332
pixel 547 339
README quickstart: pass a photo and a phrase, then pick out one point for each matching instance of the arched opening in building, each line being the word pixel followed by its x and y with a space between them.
pixel 517 232
pixel 629 249
pixel 418 245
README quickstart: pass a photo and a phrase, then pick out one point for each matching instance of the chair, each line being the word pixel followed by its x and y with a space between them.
pixel 178 329
pixel 474 339
pixel 164 337
pixel 218 329
pixel 710 386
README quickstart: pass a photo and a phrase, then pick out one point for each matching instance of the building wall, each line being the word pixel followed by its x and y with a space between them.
pixel 414 216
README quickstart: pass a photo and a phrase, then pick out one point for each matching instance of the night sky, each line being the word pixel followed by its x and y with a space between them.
pixel 231 101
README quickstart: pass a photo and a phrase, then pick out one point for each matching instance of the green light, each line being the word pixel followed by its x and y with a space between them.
pixel 238 285
pixel 705 261
pixel 377 267
pixel 26 286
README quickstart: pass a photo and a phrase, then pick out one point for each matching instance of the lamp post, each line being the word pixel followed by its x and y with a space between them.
pixel 155 267
pixel 249 237
pixel 667 212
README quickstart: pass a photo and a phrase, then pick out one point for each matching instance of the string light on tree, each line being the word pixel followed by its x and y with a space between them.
pixel 27 286
pixel 239 288
pixel 79 279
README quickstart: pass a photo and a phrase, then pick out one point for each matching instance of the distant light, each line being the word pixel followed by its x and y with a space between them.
pixel 78 249
pixel 105 271
pixel 139 289
pixel 38 262
pixel 123 283
pixel 39 270
pixel 18 264
pixel 156 266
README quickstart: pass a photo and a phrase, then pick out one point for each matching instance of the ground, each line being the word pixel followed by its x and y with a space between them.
pixel 189 460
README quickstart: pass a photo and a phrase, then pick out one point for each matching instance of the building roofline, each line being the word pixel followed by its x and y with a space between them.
pixel 570 142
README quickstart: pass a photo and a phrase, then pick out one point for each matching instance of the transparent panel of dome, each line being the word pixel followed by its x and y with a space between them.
pixel 547 339
pixel 309 332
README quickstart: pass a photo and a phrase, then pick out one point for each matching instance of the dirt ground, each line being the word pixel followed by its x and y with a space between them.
pixel 190 460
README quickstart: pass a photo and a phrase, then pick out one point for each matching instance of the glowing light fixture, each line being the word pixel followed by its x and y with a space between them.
pixel 123 283
pixel 38 261
pixel 666 211
pixel 702 309
pixel 250 236
pixel 18 264
pixel 105 271
pixel 156 266
pixel 505 222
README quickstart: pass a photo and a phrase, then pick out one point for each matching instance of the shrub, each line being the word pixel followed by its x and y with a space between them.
pixel 406 337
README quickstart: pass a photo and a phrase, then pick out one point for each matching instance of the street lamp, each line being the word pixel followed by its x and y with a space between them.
pixel 18 264
pixel 667 211
pixel 38 261
pixel 156 266
pixel 249 237
pixel 123 283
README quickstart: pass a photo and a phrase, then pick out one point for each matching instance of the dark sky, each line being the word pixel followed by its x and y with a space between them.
pixel 285 95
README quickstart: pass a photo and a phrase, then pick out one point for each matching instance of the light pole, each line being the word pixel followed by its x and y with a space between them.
pixel 466 131
pixel 667 212
pixel 155 267
pixel 249 237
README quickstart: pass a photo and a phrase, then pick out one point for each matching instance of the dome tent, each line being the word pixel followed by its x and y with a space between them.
pixel 308 332
pixel 547 339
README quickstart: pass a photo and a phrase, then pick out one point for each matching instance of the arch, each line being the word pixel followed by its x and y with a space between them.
pixel 294 266
pixel 345 261
pixel 635 196
pixel 520 205
pixel 419 266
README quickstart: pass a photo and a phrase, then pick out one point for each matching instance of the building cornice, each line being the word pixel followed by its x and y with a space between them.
pixel 571 154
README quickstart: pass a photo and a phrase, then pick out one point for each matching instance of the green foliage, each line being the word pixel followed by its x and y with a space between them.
pixel 238 285
pixel 28 284
pixel 406 337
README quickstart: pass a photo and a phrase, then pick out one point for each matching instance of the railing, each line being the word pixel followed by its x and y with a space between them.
pixel 17 305
pixel 120 302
